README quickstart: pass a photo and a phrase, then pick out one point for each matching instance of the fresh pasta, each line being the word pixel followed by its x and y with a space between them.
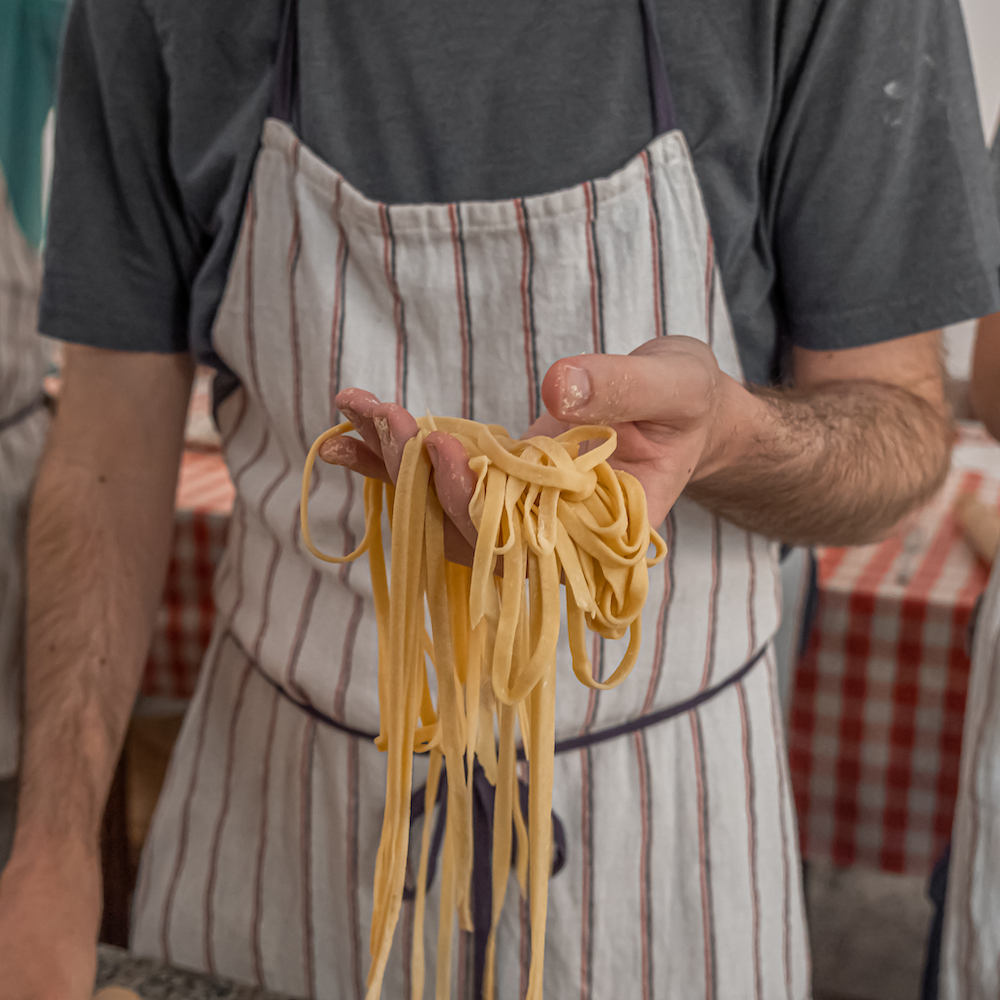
pixel 552 510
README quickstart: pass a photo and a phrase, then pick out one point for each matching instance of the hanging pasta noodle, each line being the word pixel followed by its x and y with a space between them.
pixel 550 509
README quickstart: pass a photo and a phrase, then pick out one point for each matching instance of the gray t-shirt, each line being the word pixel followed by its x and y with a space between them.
pixel 838 145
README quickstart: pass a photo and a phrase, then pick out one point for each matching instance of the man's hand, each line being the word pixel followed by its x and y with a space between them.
pixel 860 441
pixel 50 915
pixel 663 436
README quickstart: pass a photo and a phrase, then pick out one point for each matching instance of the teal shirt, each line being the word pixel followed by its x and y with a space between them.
pixel 29 53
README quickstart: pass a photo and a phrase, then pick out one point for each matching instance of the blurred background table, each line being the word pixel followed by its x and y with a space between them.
pixel 875 728
pixel 203 507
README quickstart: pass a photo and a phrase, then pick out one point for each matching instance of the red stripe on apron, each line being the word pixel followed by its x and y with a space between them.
pixel 751 597
pixel 654 236
pixel 353 904
pixel 587 873
pixel 587 830
pixel 351 632
pixel 751 805
pixel 645 902
pixel 713 606
pixel 704 859
pixel 778 732
pixel 248 308
pixel 257 916
pixel 305 616
pixel 389 261
pixel 592 267
pixel 168 901
pixel 220 822
pixel 272 565
pixel 659 650
pixel 305 821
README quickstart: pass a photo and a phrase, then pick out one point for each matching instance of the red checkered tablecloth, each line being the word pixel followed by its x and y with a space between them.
pixel 184 621
pixel 879 698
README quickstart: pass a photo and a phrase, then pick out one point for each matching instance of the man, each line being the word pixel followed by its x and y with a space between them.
pixel 839 153
pixel 969 949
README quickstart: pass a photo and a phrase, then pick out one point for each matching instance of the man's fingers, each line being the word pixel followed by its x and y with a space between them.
pixel 358 406
pixel 394 426
pixel 670 380
pixel 453 480
pixel 384 427
pixel 354 455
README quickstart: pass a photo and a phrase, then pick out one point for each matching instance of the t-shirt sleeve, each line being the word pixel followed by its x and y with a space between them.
pixel 878 183
pixel 119 255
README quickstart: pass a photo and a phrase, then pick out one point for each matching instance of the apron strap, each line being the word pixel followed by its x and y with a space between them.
pixel 285 95
pixel 660 100
pixel 19 416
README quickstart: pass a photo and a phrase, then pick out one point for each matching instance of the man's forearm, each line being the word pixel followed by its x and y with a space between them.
pixel 839 464
pixel 89 609
pixel 98 540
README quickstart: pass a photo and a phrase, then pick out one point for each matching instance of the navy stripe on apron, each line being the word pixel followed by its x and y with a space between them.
pixel 464 310
pixel 528 312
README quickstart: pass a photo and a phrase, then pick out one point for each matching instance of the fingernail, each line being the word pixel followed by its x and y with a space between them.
pixel 349 415
pixel 432 452
pixel 575 387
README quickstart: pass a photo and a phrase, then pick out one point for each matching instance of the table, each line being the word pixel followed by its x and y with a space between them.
pixel 184 621
pixel 154 981
pixel 875 727
pixel 203 504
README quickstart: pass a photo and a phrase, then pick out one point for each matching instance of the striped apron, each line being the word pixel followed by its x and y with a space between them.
pixel 681 876
pixel 970 954
pixel 23 422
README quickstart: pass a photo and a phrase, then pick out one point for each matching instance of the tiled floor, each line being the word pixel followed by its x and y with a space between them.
pixel 868 934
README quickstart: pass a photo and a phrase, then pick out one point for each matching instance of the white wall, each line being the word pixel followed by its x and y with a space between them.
pixel 982 19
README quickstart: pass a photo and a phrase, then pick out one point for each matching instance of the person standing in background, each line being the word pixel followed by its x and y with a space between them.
pixel 29 44
pixel 970 941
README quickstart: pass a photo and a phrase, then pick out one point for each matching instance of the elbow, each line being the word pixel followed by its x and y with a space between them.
pixel 907 483
pixel 985 402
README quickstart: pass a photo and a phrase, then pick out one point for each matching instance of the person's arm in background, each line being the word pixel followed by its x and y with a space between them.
pixel 984 384
pixel 98 541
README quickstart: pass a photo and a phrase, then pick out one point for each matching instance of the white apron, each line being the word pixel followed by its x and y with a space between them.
pixel 23 422
pixel 970 950
pixel 681 877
